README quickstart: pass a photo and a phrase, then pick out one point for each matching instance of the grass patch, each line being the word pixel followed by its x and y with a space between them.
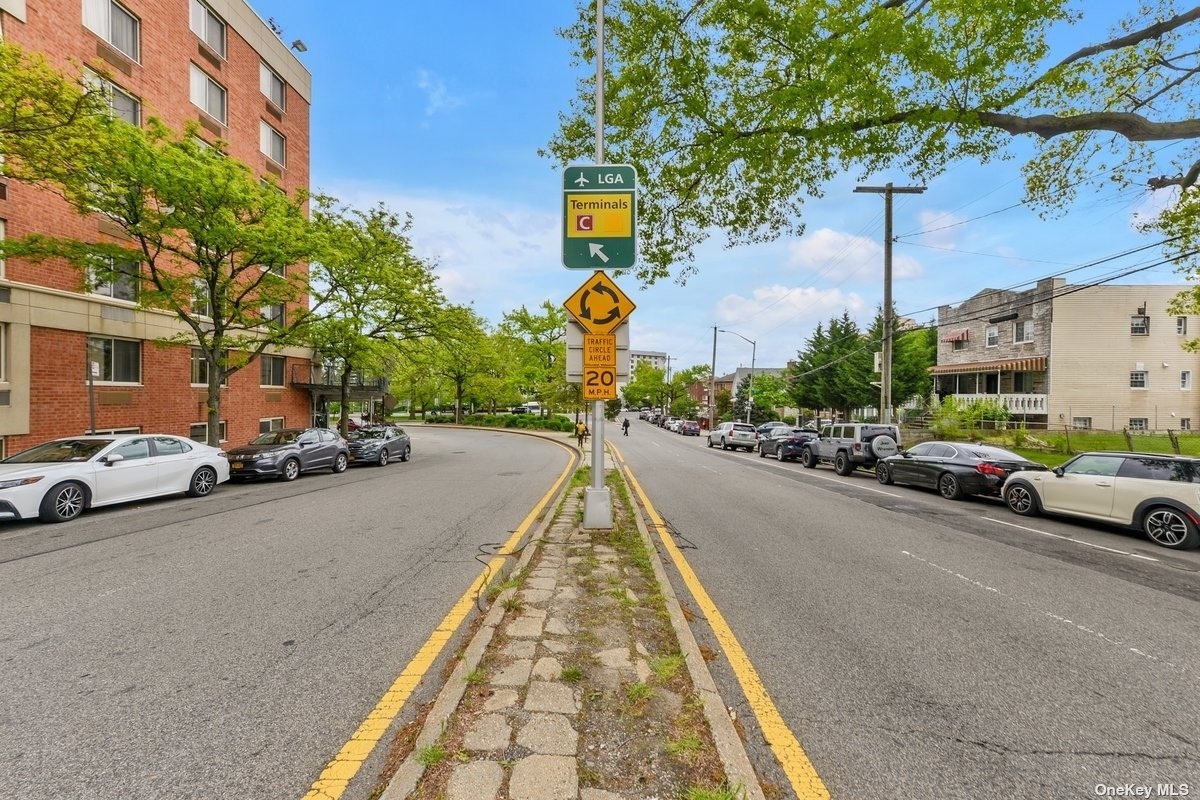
pixel 686 745
pixel 432 755
pixel 666 668
pixel 639 692
pixel 477 675
pixel 572 674
pixel 513 603
pixel 725 792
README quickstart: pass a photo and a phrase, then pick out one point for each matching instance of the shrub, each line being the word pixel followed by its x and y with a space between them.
pixel 947 419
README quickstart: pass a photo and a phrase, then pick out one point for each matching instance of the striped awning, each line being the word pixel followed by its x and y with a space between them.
pixel 1032 364
pixel 957 336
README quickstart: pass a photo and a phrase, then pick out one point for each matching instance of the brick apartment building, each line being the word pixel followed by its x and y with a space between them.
pixel 213 62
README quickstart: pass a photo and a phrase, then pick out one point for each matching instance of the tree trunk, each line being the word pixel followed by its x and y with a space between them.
pixel 343 423
pixel 458 399
pixel 214 403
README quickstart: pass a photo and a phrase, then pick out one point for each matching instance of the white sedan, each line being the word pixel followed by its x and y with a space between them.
pixel 57 480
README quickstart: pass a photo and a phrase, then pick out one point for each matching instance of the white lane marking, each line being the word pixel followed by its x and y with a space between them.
pixel 1070 539
pixel 1050 614
pixel 855 484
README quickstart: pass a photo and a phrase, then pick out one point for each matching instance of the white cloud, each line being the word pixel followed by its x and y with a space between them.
pixel 780 318
pixel 1152 205
pixel 437 96
pixel 837 256
pixel 938 228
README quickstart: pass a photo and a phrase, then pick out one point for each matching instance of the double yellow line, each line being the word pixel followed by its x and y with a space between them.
pixel 795 763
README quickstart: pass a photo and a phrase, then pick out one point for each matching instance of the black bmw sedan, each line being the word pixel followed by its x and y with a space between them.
pixel 955 469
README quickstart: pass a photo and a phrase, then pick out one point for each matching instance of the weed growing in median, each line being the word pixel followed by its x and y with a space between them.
pixel 431 755
pixel 686 745
pixel 725 792
pixel 513 603
pixel 572 674
pixel 477 675
pixel 667 667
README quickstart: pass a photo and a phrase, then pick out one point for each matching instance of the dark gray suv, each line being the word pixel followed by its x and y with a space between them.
pixel 851 445
pixel 285 453
pixel 379 444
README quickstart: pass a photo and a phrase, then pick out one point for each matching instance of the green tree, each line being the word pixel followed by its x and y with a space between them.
pixel 736 112
pixel 215 247
pixel 48 120
pixel 463 351
pixel 770 391
pixel 542 360
pixel 373 291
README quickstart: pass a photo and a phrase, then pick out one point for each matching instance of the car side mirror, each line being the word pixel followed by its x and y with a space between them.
pixel 114 458
pixel 1059 472
pixel 906 454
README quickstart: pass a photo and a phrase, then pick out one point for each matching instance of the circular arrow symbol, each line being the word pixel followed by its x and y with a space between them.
pixel 612 315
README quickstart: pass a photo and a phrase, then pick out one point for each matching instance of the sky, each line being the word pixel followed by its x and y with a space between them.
pixel 438 109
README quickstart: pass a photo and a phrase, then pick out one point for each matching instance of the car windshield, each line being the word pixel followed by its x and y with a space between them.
pixel 61 450
pixel 368 433
pixel 276 437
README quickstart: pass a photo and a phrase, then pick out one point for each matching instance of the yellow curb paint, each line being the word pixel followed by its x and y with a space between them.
pixel 336 776
pixel 795 763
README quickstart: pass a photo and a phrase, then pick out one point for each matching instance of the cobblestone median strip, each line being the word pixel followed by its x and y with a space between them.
pixel 579 685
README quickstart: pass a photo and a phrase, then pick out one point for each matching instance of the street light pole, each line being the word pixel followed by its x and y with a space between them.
pixel 753 352
pixel 712 385
pixel 885 369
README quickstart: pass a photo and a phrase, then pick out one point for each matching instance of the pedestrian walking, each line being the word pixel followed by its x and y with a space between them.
pixel 581 432
pixel 625 427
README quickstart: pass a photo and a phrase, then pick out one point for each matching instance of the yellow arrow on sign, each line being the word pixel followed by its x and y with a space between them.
pixel 599 305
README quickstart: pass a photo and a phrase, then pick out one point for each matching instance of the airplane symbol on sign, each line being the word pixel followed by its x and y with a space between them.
pixel 581 181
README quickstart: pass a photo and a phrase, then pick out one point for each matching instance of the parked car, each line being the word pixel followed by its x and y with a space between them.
pixel 690 428
pixel 58 480
pixel 286 453
pixel 1156 494
pixel 851 445
pixel 955 469
pixel 673 424
pixel 784 443
pixel 733 435
pixel 379 444
pixel 767 427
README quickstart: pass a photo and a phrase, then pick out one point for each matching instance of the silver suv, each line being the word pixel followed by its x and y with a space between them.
pixel 732 435
pixel 851 445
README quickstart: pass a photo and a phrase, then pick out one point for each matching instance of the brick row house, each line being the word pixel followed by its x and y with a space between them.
pixel 1107 357
pixel 215 63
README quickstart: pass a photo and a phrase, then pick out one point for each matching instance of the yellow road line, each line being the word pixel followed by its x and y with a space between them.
pixel 791 756
pixel 336 776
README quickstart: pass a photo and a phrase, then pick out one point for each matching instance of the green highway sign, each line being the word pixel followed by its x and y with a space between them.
pixel 599 216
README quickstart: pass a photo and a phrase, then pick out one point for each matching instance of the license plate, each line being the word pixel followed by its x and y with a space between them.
pixel 236 465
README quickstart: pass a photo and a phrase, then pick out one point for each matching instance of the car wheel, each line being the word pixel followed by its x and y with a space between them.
pixel 1020 499
pixel 779 454
pixel 340 463
pixel 204 480
pixel 761 452
pixel 948 486
pixel 883 474
pixel 290 470
pixel 724 444
pixel 842 464
pixel 809 459
pixel 63 503
pixel 710 444
pixel 1168 527
pixel 383 458
pixel 407 454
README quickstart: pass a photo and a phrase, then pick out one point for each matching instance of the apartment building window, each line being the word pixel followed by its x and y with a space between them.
pixel 1081 423
pixel 272 144
pixel 198 432
pixel 1181 326
pixel 201 304
pixel 992 336
pixel 200 369
pixel 3 352
pixel 112 23
pixel 273 314
pixel 1138 379
pixel 126 280
pixel 1185 423
pixel 1138 423
pixel 1023 331
pixel 116 431
pixel 208 95
pixel 958 344
pixel 272 370
pixel 1185 379
pixel 121 103
pixel 119 360
pixel 1023 382
pixel 272 86
pixel 270 424
pixel 1139 326
pixel 208 26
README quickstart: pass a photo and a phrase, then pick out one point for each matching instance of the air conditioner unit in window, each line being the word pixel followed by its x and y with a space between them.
pixel 1142 310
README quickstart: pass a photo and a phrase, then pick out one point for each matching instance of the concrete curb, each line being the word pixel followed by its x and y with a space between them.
pixel 729 744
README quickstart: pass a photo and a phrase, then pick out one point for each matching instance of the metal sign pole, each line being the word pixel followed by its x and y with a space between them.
pixel 597 505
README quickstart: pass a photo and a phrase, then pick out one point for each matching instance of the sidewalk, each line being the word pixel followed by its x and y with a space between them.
pixel 583 681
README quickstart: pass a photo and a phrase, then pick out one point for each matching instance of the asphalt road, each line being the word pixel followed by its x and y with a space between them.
pixel 921 648
pixel 229 646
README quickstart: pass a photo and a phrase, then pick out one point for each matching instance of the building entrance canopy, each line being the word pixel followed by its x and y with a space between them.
pixel 1032 364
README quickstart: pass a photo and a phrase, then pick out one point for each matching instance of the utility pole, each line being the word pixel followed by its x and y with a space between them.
pixel 669 396
pixel 885 371
pixel 712 385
